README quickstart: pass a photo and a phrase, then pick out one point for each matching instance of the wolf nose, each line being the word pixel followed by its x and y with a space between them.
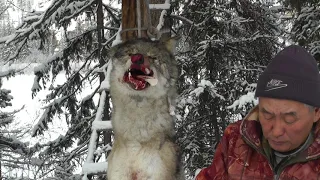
pixel 137 59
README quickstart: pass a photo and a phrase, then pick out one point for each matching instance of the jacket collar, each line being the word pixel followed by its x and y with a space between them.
pixel 250 128
pixel 251 131
pixel 314 148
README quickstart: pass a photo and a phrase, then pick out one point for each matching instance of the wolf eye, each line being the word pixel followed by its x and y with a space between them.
pixel 152 57
pixel 156 61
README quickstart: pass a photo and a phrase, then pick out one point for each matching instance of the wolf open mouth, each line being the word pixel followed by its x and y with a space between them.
pixel 139 76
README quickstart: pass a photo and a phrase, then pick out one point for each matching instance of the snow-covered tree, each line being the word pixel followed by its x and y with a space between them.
pixel 224 46
pixel 84 34
pixel 305 24
pixel 228 45
pixel 14 154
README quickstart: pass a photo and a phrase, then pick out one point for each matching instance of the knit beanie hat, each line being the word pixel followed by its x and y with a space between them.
pixel 292 74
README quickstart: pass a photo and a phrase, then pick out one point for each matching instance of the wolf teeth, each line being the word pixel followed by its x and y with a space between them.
pixel 152 81
pixel 148 71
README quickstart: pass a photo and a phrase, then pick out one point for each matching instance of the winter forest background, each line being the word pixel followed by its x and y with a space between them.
pixel 50 51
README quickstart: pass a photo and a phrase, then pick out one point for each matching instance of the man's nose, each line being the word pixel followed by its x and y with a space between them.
pixel 277 128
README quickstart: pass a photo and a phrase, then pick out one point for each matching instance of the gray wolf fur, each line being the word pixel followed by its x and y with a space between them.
pixel 144 145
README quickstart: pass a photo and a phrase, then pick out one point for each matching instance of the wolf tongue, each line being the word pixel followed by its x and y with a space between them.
pixel 135 83
pixel 151 80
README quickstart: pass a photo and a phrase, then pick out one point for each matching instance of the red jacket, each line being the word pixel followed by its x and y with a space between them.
pixel 243 155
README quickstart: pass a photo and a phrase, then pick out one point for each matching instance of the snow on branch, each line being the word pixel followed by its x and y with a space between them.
pixel 20 161
pixel 315 46
pixel 47 116
pixel 36 25
pixel 63 142
pixel 63 90
pixel 110 11
pixel 248 98
pixel 53 146
pixel 5 99
pixel 7 38
pixel 206 85
pixel 254 37
pixel 45 66
pixel 21 45
pixel 58 62
pixel 307 28
pixel 32 16
pixel 25 30
pixel 7 117
pixel 6 120
pixel 42 69
pixel 76 8
pixel 76 151
pixel 103 150
pixel 14 144
pixel 183 19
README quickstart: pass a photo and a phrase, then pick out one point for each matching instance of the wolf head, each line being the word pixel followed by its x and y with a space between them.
pixel 143 67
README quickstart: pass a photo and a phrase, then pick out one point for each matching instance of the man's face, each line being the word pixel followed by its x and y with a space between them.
pixel 285 123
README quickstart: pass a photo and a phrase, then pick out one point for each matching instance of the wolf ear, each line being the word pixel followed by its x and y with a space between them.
pixel 170 43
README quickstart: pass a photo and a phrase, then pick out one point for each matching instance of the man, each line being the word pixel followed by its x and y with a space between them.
pixel 280 138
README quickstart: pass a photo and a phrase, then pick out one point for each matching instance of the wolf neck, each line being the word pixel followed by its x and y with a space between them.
pixel 142 119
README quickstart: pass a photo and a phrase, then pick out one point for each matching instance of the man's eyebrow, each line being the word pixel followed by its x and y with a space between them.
pixel 265 111
pixel 291 113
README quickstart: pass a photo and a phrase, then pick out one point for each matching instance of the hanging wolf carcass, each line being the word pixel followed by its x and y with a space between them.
pixel 143 86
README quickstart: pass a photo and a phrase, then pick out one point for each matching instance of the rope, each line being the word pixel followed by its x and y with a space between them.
pixel 133 29
pixel 152 32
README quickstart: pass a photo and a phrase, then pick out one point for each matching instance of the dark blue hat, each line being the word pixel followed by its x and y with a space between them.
pixel 292 74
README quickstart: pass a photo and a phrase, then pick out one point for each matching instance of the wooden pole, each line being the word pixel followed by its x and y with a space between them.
pixel 130 22
pixel 129 19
